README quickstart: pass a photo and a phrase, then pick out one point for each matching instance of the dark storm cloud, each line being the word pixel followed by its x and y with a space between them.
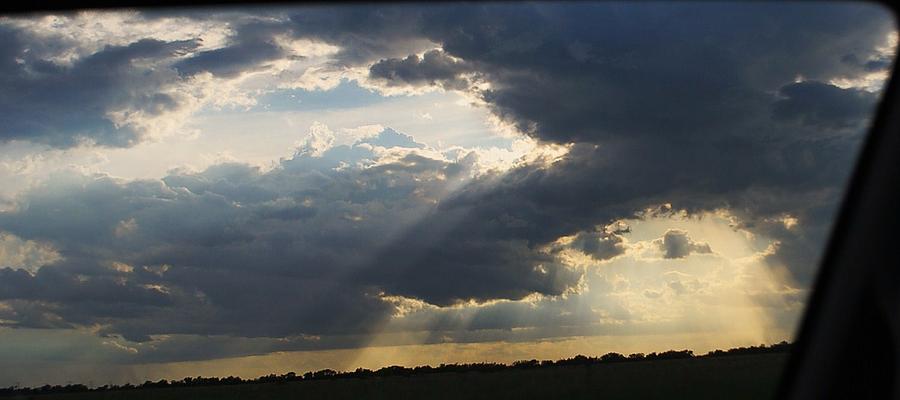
pixel 445 263
pixel 824 106
pixel 51 285
pixel 871 65
pixel 697 105
pixel 63 105
pixel 235 251
pixel 364 33
pixel 632 68
pixel 603 60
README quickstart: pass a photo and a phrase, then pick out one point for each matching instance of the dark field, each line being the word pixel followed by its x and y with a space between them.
pixel 732 377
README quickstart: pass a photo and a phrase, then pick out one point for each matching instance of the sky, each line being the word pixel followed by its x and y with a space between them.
pixel 237 191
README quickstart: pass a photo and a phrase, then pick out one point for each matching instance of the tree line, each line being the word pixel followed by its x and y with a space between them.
pixel 395 371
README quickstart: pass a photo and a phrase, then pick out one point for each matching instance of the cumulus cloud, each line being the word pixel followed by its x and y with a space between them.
pixel 318 140
pixel 434 68
pixel 28 255
pixel 677 244
pixel 391 138
pixel 601 245
pixel 201 248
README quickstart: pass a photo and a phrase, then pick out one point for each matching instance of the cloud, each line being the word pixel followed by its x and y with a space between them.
pixel 250 47
pixel 601 245
pixel 611 80
pixel 318 141
pixel 649 122
pixel 103 98
pixel 364 33
pixel 820 105
pixel 677 244
pixel 698 106
pixel 391 138
pixel 201 247
pixel 112 86
pixel 434 68
pixel 28 255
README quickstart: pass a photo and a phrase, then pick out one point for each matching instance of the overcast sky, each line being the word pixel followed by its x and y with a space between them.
pixel 246 191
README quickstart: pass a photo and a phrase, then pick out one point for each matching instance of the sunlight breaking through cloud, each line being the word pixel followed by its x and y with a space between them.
pixel 236 191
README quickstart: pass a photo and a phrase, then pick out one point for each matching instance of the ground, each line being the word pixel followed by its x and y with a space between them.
pixel 731 377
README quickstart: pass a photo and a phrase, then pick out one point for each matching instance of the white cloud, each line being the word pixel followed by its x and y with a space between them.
pixel 318 140
pixel 28 255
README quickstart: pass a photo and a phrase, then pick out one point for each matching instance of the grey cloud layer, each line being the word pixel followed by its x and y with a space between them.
pixel 302 249
pixel 604 61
